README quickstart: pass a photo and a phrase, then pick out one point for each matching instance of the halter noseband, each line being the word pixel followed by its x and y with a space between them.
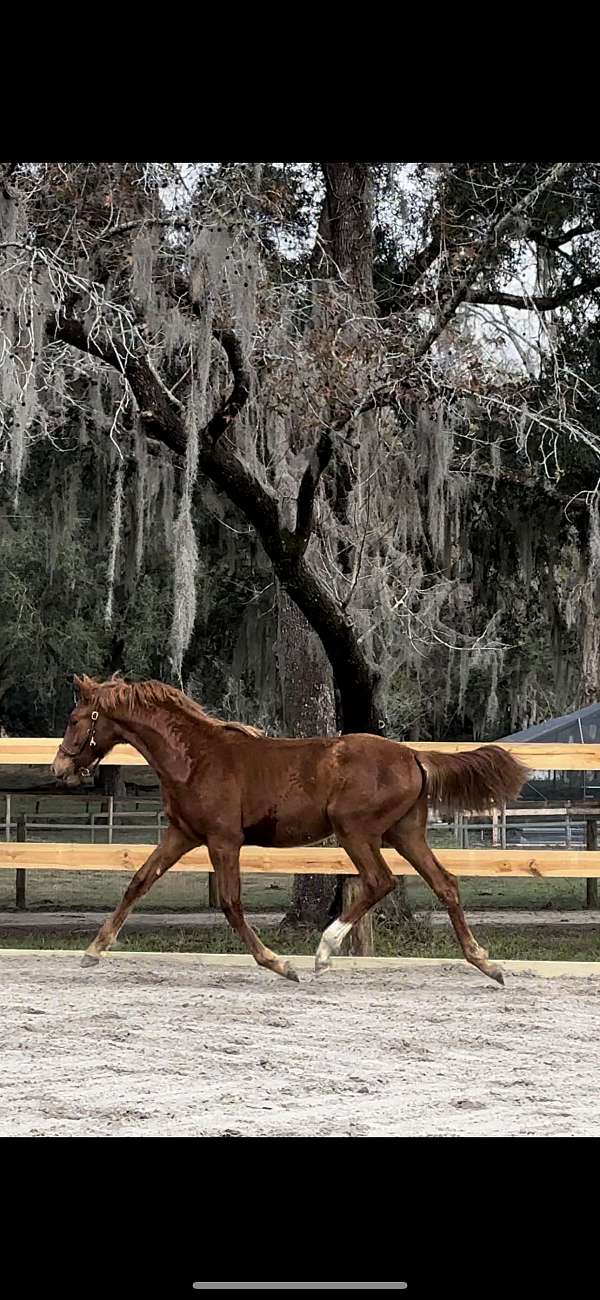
pixel 89 738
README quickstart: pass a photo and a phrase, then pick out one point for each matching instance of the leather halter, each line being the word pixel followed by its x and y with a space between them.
pixel 89 738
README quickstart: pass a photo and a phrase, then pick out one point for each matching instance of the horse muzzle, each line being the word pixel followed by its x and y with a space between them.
pixel 64 769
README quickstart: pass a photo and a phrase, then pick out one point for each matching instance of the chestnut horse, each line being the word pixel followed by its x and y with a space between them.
pixel 225 785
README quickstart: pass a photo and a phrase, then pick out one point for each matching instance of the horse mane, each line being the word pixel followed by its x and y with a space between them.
pixel 135 697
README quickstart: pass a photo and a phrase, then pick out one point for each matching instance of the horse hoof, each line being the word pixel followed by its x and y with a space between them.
pixel 87 960
pixel 290 973
pixel 323 957
pixel 496 974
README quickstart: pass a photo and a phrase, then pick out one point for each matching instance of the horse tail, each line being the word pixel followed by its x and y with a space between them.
pixel 471 782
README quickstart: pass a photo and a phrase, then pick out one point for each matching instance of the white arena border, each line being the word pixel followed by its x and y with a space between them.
pixel 546 969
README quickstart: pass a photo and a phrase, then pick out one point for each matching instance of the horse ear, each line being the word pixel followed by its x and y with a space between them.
pixel 117 677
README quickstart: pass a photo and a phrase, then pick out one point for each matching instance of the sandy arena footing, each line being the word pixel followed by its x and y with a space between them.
pixel 194 1045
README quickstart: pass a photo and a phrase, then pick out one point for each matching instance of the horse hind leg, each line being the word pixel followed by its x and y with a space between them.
pixel 409 838
pixel 377 881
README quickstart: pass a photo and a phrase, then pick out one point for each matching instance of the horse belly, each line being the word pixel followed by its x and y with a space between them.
pixel 288 827
pixel 292 834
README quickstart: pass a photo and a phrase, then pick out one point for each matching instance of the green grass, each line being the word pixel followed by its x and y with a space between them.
pixel 184 891
pixel 90 891
pixel 419 940
pixel 491 893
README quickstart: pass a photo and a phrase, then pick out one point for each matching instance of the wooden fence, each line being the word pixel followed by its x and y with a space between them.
pixel 570 863
pixel 560 758
pixel 505 862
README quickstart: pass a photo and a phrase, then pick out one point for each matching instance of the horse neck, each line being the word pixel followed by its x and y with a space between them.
pixel 165 738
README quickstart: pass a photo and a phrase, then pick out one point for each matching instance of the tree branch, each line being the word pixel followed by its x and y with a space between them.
pixel 487 247
pixel 540 302
pixel 412 271
pixel 241 385
pixel 556 242
pixel 161 413
pixel 320 456
pixel 317 462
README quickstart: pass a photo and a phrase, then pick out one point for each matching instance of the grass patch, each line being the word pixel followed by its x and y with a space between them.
pixel 185 891
pixel 181 891
pixel 419 940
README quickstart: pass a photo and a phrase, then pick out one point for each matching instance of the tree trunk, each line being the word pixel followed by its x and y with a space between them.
pixel 344 247
pixel 307 709
pixel 344 252
pixel 111 781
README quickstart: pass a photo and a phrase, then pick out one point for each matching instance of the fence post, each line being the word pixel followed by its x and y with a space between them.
pixel 495 829
pixel 361 934
pixel 21 874
pixel 111 813
pixel 7 821
pixel 591 840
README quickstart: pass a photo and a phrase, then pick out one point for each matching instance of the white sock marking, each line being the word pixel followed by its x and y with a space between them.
pixel 331 940
pixel 336 933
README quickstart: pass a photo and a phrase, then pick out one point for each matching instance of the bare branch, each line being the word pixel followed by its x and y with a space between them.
pixel 419 264
pixel 317 462
pixel 538 302
pixel 488 246
pixel 160 413
pixel 556 242
pixel 241 385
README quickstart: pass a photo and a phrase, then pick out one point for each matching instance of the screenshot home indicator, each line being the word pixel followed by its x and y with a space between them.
pixel 300 1286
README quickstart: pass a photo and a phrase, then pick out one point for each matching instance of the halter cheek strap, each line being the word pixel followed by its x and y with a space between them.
pixel 89 738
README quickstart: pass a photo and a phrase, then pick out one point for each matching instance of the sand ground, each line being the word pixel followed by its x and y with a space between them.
pixel 164 1045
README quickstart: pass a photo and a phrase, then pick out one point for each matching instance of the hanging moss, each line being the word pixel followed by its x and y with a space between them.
pixel 185 551
pixel 113 556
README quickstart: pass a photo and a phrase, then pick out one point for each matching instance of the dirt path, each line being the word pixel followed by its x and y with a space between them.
pixel 138 921
pixel 169 1046
pixel 203 920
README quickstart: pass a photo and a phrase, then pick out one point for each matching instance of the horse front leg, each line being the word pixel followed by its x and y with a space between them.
pixel 172 847
pixel 225 858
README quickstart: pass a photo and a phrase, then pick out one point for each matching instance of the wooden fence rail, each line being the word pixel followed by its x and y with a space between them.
pixel 561 758
pixel 535 863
